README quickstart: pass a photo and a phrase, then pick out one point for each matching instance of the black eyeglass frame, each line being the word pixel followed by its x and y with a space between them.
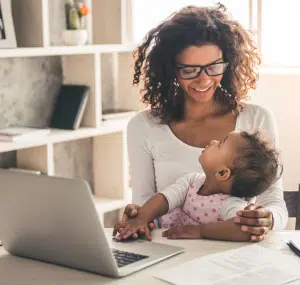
pixel 179 67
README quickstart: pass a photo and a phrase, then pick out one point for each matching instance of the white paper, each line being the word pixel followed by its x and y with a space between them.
pixel 247 265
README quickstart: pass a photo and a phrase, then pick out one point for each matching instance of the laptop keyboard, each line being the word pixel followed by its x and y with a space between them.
pixel 124 257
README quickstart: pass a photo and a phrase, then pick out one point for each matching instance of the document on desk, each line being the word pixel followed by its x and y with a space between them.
pixel 247 265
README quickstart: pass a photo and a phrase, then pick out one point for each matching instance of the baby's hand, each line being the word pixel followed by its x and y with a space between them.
pixel 184 232
pixel 133 226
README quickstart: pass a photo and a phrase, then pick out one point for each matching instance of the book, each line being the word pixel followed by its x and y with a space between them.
pixel 69 107
pixel 19 134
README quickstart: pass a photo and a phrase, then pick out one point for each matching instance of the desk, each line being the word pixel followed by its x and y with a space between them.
pixel 15 270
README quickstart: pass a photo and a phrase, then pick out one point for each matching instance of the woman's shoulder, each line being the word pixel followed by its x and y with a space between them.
pixel 143 120
pixel 255 117
pixel 255 110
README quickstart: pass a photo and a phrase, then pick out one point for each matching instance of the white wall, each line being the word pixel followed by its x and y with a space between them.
pixel 279 90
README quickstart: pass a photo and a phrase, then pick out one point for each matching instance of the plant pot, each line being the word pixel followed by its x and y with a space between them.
pixel 74 37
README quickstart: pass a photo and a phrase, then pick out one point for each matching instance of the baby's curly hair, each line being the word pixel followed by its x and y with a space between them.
pixel 194 26
pixel 255 168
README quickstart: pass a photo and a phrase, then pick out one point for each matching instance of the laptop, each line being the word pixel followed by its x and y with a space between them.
pixel 54 219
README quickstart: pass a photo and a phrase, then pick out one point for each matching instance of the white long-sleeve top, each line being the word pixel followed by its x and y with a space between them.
pixel 158 158
pixel 176 194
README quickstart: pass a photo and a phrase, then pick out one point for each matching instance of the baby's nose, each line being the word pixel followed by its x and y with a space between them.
pixel 213 142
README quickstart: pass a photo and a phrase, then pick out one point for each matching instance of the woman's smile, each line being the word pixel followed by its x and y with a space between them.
pixel 198 92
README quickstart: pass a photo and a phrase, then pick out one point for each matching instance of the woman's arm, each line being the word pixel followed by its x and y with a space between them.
pixel 272 199
pixel 140 159
pixel 270 211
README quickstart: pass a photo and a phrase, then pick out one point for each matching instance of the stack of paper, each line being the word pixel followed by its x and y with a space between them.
pixel 247 265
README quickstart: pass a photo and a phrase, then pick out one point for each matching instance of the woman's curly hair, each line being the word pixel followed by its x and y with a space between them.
pixel 155 62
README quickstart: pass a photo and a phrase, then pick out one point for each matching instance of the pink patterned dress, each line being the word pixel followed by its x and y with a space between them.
pixel 197 209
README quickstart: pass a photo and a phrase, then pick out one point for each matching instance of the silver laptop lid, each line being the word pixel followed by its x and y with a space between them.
pixel 37 218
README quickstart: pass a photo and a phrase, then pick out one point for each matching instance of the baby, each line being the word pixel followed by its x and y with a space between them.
pixel 238 168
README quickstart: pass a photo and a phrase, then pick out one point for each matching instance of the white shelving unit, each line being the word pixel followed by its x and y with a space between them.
pixel 110 49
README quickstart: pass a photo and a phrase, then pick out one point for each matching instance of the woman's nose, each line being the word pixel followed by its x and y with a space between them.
pixel 203 75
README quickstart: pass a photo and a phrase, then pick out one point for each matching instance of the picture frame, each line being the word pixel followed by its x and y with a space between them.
pixel 7 29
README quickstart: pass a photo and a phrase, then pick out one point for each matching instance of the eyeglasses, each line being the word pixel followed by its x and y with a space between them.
pixel 193 71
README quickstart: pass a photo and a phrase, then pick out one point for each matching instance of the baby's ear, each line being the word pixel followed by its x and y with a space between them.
pixel 223 174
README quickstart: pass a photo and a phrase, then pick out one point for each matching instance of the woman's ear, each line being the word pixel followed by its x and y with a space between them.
pixel 223 174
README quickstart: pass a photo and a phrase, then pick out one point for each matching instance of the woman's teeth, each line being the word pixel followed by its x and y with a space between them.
pixel 201 90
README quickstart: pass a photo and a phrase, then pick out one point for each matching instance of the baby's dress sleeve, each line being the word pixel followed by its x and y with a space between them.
pixel 176 193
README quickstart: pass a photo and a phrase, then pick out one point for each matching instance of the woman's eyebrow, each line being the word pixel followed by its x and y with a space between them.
pixel 194 65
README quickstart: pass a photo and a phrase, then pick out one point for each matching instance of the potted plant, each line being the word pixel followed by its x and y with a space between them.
pixel 75 33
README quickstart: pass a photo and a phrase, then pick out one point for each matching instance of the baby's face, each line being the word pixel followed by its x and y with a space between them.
pixel 218 154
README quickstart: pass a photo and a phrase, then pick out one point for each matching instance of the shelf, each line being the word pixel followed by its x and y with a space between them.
pixel 58 135
pixel 117 114
pixel 105 205
pixel 65 50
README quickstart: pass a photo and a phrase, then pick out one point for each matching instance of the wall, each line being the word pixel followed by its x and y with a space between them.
pixel 278 89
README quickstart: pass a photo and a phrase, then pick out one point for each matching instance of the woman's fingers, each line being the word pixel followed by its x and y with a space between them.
pixel 258 233
pixel 118 227
pixel 132 210
pixel 257 213
pixel 135 235
pixel 257 238
pixel 251 207
pixel 147 233
pixel 252 221
pixel 151 226
pixel 255 220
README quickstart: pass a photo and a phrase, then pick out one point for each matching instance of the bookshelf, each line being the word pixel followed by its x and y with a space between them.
pixel 104 64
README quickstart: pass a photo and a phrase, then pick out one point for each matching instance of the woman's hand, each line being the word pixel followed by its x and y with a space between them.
pixel 133 226
pixel 131 211
pixel 188 232
pixel 256 220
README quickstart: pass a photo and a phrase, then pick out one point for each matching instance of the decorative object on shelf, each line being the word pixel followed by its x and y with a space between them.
pixel 76 12
pixel 69 107
pixel 7 30
pixel 110 114
pixel 22 134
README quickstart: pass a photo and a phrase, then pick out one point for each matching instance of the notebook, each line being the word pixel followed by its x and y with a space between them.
pixel 69 107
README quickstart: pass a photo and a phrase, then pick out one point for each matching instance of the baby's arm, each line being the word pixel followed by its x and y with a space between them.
pixel 226 230
pixel 170 198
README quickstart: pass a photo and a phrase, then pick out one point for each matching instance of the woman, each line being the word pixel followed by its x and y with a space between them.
pixel 197 66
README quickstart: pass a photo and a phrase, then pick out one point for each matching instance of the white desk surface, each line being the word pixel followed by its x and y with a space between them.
pixel 15 270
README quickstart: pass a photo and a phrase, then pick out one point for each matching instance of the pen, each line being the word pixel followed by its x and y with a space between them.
pixel 293 247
